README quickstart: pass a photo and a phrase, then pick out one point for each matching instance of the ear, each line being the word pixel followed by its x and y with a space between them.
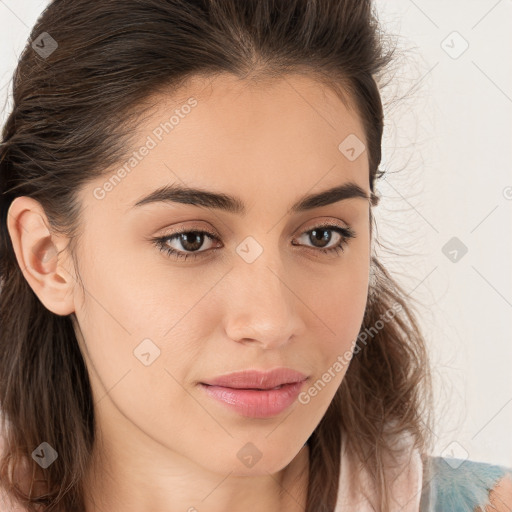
pixel 39 255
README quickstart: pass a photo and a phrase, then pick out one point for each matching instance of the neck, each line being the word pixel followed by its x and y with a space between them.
pixel 114 484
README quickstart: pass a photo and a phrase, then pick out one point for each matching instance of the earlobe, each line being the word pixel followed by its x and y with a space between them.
pixel 41 255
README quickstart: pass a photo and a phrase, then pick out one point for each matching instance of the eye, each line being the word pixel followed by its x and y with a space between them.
pixel 318 234
pixel 192 240
pixel 189 240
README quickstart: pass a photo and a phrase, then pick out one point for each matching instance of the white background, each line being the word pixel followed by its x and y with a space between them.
pixel 447 153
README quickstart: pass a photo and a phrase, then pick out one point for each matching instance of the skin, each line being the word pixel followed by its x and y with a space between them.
pixel 163 444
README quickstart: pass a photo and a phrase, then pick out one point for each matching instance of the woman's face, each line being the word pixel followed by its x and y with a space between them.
pixel 258 292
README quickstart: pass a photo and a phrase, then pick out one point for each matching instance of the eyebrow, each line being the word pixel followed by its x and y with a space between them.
pixel 175 193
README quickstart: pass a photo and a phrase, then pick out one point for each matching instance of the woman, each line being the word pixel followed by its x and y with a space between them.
pixel 193 315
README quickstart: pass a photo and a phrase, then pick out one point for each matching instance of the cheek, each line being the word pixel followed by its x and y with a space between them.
pixel 342 312
pixel 339 297
pixel 139 348
pixel 340 308
pixel 134 323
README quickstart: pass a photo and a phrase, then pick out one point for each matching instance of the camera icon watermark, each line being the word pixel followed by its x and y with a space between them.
pixel 146 352
pixel 44 45
pixel 454 45
pixel 455 454
pixel 249 249
pixel 44 455
pixel 249 455
pixel 352 147
pixel 454 249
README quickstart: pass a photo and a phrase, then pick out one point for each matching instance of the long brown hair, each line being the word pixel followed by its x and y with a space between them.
pixel 77 94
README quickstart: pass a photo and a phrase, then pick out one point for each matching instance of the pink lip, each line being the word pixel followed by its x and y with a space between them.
pixel 250 392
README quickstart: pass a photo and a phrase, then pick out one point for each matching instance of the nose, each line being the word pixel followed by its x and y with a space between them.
pixel 263 306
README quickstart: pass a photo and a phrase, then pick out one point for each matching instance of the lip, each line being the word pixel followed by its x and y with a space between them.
pixel 257 379
pixel 251 394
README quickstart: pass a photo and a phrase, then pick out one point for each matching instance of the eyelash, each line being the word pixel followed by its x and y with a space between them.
pixel 346 234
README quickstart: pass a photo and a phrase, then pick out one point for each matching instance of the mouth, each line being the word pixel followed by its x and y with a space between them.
pixel 255 402
pixel 257 379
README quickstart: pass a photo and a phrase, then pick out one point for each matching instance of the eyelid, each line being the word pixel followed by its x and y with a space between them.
pixel 315 223
pixel 324 221
pixel 344 231
pixel 185 229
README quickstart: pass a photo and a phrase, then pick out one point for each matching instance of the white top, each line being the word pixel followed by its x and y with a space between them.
pixel 405 490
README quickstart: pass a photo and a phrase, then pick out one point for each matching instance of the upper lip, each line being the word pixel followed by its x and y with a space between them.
pixel 256 379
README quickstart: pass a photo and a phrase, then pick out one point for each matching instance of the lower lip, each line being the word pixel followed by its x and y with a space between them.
pixel 256 404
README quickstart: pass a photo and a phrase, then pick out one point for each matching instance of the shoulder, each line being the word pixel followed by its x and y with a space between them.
pixel 465 485
pixel 500 496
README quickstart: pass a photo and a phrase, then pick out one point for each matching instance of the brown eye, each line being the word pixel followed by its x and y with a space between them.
pixel 320 237
pixel 190 242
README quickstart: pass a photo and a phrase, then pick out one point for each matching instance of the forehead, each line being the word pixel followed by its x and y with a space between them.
pixel 275 137
pixel 232 109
